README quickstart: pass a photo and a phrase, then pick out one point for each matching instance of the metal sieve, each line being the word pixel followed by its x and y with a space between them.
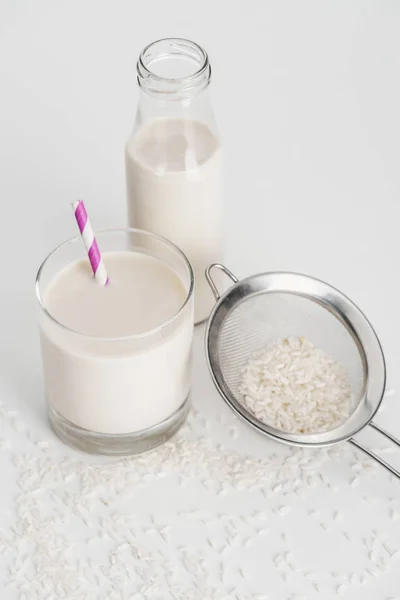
pixel 269 306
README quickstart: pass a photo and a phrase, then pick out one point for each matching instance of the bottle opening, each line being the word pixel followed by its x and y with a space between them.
pixel 173 65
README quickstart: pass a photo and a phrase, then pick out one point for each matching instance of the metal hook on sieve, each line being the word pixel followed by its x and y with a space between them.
pixel 211 282
pixel 373 455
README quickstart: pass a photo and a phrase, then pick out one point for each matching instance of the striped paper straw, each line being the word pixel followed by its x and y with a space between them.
pixel 89 240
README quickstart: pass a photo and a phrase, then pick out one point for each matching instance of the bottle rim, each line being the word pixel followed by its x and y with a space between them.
pixel 153 82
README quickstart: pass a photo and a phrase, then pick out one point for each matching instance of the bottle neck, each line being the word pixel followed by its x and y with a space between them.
pixel 173 70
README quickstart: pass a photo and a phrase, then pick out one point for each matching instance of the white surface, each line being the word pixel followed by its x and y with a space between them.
pixel 307 98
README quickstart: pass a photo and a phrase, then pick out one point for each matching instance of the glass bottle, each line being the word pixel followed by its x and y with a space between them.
pixel 174 158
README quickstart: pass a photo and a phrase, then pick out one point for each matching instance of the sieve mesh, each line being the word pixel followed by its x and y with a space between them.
pixel 262 319
pixel 260 310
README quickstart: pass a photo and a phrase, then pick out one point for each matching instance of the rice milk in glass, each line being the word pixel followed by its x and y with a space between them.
pixel 174 158
pixel 117 359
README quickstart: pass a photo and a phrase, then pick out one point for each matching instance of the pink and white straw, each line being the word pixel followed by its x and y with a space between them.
pixel 89 240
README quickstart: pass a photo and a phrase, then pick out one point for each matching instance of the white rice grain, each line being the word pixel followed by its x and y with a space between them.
pixel 297 388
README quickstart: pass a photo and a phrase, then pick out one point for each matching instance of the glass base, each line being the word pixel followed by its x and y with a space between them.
pixel 122 444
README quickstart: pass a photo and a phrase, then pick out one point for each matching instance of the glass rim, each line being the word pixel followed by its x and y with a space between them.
pixel 176 80
pixel 100 232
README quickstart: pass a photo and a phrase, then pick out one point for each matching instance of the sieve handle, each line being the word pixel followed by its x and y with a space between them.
pixel 211 282
pixel 371 454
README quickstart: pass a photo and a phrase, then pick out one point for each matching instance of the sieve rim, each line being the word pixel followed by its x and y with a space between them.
pixel 341 307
